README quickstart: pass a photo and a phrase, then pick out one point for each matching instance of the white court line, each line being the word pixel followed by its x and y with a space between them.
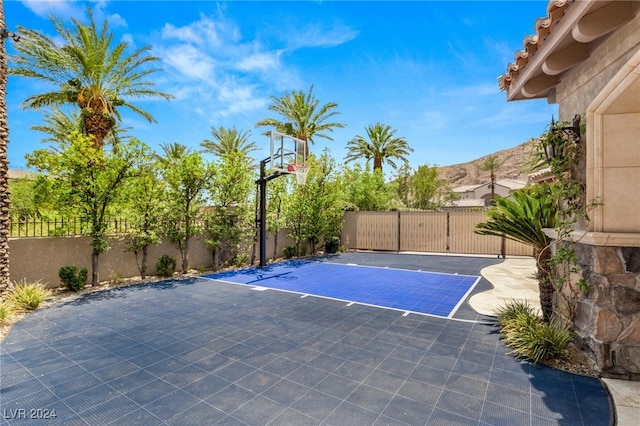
pixel 350 302
pixel 463 298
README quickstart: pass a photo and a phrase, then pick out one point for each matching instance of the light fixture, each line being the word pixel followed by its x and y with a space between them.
pixel 4 33
pixel 572 131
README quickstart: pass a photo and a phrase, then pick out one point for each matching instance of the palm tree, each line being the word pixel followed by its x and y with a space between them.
pixel 382 146
pixel 58 125
pixel 521 218
pixel 227 141
pixel 491 164
pixel 302 116
pixel 5 219
pixel 88 72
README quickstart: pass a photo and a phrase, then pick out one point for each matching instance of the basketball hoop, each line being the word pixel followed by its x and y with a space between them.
pixel 301 171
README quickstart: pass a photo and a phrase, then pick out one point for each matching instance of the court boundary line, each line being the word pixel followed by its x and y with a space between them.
pixel 464 297
pixel 391 268
pixel 349 303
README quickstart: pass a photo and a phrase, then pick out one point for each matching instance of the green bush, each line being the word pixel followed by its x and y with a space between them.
pixel 166 266
pixel 241 259
pixel 29 295
pixel 292 251
pixel 529 336
pixel 289 252
pixel 332 245
pixel 513 309
pixel 7 310
pixel 72 278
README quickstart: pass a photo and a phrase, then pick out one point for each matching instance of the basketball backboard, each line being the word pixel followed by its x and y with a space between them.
pixel 287 152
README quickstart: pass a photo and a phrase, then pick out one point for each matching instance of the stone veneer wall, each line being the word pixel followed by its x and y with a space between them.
pixel 607 316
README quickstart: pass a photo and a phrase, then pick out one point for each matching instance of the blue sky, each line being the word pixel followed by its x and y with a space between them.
pixel 428 69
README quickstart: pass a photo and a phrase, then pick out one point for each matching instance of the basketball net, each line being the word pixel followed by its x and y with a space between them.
pixel 301 171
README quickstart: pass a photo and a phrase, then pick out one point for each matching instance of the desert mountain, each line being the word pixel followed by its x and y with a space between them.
pixel 513 167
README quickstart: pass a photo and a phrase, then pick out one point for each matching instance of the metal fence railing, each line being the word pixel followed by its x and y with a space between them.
pixel 38 227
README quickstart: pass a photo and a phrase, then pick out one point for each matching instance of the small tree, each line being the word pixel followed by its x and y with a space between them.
pixel 428 191
pixel 186 175
pixel 316 210
pixel 366 190
pixel 89 180
pixel 277 198
pixel 145 203
pixel 229 219
pixel 491 164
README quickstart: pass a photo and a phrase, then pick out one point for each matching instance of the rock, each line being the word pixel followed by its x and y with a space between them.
pixel 626 300
pixel 606 326
pixel 632 334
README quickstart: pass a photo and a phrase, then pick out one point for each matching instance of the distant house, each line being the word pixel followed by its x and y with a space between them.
pixel 478 195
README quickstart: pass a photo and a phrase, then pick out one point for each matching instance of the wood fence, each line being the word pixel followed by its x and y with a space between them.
pixel 433 232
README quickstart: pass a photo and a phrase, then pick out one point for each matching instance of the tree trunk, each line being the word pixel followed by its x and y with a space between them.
pixel 275 244
pixel 143 266
pixel 95 278
pixel 275 234
pixel 5 219
pixel 377 163
pixel 185 256
pixel 97 123
pixel 545 283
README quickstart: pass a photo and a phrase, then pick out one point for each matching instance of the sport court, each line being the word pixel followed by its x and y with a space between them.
pixel 202 352
pixel 411 291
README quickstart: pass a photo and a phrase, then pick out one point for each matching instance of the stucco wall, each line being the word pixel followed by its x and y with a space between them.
pixel 606 317
pixel 579 88
pixel 41 258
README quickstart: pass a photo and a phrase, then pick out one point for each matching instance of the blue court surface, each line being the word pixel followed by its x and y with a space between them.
pixel 421 292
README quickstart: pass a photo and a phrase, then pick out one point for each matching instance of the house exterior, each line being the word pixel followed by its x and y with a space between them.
pixel 585 56
pixel 477 196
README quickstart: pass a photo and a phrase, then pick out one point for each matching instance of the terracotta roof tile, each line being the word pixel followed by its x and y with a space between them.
pixel 542 27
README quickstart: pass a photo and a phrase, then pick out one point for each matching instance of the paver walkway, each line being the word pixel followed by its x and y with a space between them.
pixel 197 352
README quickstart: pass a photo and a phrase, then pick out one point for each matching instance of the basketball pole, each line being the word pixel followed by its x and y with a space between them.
pixel 262 183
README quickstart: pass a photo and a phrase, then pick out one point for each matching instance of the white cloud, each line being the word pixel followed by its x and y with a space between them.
pixel 184 34
pixel 260 61
pixel 189 62
pixel 116 20
pixel 210 60
pixel 318 36
pixel 59 8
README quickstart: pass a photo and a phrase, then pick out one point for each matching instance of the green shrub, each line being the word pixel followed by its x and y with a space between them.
pixel 289 252
pixel 72 278
pixel 513 309
pixel 332 245
pixel 530 337
pixel 241 259
pixel 29 295
pixel 7 310
pixel 166 266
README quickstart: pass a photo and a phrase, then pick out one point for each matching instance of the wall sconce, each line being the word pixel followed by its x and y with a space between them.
pixel 4 33
pixel 572 131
